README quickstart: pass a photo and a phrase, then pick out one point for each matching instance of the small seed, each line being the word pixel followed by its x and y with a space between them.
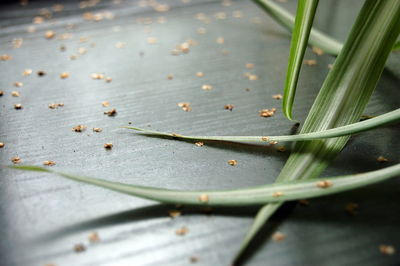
pixel 112 112
pixel 267 112
pixel 253 77
pixel 5 57
pixel 277 96
pixel 50 34
pixel 273 142
pixel 277 194
pixel 2 144
pixel 79 128
pixel 41 73
pixel 170 76
pixel 229 107
pixel 185 106
pixel 97 129
pixel 324 184
pixel 18 84
pixel 387 249
pixel 200 74
pixel 151 40
pixel 278 236
pixel 330 66
pixel 382 159
pixel 27 72
pixel 94 237
pixel 108 146
pixel 108 79
pixel 82 50
pixel 232 162
pixel 15 93
pixel 79 248
pixel 105 103
pixel 182 231
pixel 16 160
pixel 97 76
pixel 220 40
pixel 199 144
pixel 317 50
pixel 310 62
pixel 1 93
pixel 203 198
pixel 207 87
pixel 265 138
pixel 281 148
pixel 49 163
pixel 120 45
pixel 64 75
pixel 194 259
pixel 18 106
pixel 174 213
pixel 249 66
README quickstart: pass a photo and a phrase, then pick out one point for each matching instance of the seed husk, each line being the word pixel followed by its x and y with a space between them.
pixel 229 107
pixel 174 213
pixel 267 112
pixel 5 57
pixel 27 72
pixel 79 128
pixel 105 103
pixel 112 112
pixel 185 106
pixel 278 236
pixel 199 144
pixel 18 106
pixel 49 163
pixel 64 75
pixel 18 84
pixel 310 62
pixel 200 74
pixel 207 87
pixel 15 93
pixel 49 34
pixel 97 129
pixel 324 184
pixel 232 162
pixel 108 146
pixel 277 194
pixel 16 160
pixel 182 231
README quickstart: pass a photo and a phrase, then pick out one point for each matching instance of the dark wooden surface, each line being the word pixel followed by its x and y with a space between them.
pixel 42 216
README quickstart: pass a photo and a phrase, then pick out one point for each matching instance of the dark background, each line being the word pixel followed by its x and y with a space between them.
pixel 42 216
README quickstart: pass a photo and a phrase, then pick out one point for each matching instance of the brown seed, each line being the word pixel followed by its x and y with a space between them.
pixel 50 34
pixel 64 75
pixel 112 112
pixel 310 62
pixel 5 57
pixel 27 72
pixel 229 107
pixel 170 76
pixel 108 79
pixel 2 144
pixel 207 87
pixel 382 159
pixel 97 129
pixel 18 106
pixel 55 105
pixel 387 249
pixel 232 162
pixel 278 236
pixel 182 231
pixel 317 50
pixel 249 66
pixel 200 74
pixel 41 73
pixel 199 144
pixel 15 93
pixel 351 208
pixel 203 198
pixel 281 148
pixel 108 146
pixel 277 194
pixel 49 163
pixel 324 184
pixel 174 213
pixel 79 248
pixel 185 106
pixel 194 259
pixel 265 138
pixel 79 128
pixel 105 103
pixel 267 112
pixel 16 160
pixel 18 84
pixel 277 96
pixel 97 76
pixel 94 237
pixel 1 93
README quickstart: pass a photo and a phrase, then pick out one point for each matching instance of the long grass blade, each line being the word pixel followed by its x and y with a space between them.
pixel 277 192
pixel 378 121
pixel 302 27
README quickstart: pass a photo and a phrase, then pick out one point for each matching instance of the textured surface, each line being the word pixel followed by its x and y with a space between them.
pixel 43 216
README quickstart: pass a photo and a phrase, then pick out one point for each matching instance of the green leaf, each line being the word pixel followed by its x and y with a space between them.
pixel 275 193
pixel 390 117
pixel 396 46
pixel 302 26
pixel 345 92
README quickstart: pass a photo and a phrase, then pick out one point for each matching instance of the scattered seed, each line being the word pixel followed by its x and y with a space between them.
pixel 182 231
pixel 15 93
pixel 253 77
pixel 5 57
pixel 108 79
pixel 18 106
pixel 265 138
pixel 41 73
pixel 79 128
pixel 249 66
pixel 64 75
pixel 278 236
pixel 317 50
pixel 151 40
pixel 277 96
pixel 277 194
pixel 1 93
pixel 185 106
pixel 324 184
pixel 174 213
pixel 94 237
pixel 79 248
pixel 170 76
pixel 351 208
pixel 105 103
pixel 112 112
pixel 207 87
pixel 49 163
pixel 16 160
pixel 200 74
pixel 97 76
pixel 267 112
pixel 281 148
pixel 232 162
pixel 55 105
pixel 2 144
pixel 229 107
pixel 82 50
pixel 50 34
pixel 199 144
pixel 73 57
pixel 18 84
pixel 203 198
pixel 120 44
pixel 387 249
pixel 220 40
pixel 108 146
pixel 273 142
pixel 382 159
pixel 193 259
pixel 97 129
pixel 310 62
pixel 27 72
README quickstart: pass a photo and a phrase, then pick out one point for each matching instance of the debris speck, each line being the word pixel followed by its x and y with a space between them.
pixel 267 112
pixel 229 107
pixel 79 248
pixel 232 162
pixel 79 128
pixel 185 106
pixel 18 106
pixel 387 249
pixel 310 62
pixel 203 198
pixel 174 213
pixel 277 96
pixel 199 144
pixel 351 208
pixel 324 184
pixel 382 159
pixel 112 112
pixel 94 237
pixel 182 231
pixel 15 93
pixel 97 129
pixel 278 236
pixel 49 163
pixel 16 160
pixel 108 146
pixel 207 87
pixel 64 75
